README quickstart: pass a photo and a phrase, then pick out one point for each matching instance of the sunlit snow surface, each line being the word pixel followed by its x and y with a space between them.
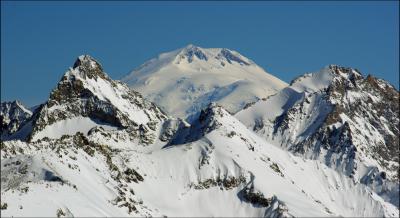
pixel 186 80
pixel 306 187
pixel 69 127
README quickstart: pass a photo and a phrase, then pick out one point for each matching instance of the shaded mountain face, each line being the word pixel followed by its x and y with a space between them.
pixel 186 80
pixel 12 115
pixel 349 122
pixel 98 144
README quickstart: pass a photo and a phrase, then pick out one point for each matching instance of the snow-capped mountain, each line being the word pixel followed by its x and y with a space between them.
pixel 85 98
pixel 12 115
pixel 349 122
pixel 186 80
pixel 98 148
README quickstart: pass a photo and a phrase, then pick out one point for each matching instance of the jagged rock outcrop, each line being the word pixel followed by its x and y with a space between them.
pixel 207 121
pixel 12 116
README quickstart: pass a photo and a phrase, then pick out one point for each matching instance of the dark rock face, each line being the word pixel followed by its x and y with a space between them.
pixel 275 208
pixel 257 198
pixel 12 116
pixel 206 122
pixel 229 56
pixel 227 183
pixel 372 105
pixel 208 117
pixel 90 67
pixel 195 52
pixel 71 87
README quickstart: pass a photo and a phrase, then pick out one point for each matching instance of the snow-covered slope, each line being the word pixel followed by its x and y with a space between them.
pixel 349 122
pixel 98 148
pixel 226 171
pixel 12 115
pixel 186 80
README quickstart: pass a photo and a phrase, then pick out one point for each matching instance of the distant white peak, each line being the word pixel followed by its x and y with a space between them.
pixel 191 57
pixel 191 53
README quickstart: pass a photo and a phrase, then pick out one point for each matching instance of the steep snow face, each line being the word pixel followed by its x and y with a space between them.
pixel 227 171
pixel 186 80
pixel 12 115
pixel 347 121
pixel 85 97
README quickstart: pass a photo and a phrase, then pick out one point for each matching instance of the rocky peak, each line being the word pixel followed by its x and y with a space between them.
pixel 337 115
pixel 212 111
pixel 210 117
pixel 331 77
pixel 88 67
pixel 344 76
pixel 208 120
pixel 86 91
pixel 367 108
pixel 345 71
pixel 14 110
pixel 72 85
pixel 17 103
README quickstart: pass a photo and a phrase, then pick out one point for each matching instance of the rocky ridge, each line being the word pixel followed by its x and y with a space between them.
pixel 348 121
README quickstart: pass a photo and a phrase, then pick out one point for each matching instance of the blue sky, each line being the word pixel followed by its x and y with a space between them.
pixel 40 40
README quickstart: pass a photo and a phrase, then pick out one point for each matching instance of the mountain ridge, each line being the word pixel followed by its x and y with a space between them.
pixel 98 143
pixel 340 117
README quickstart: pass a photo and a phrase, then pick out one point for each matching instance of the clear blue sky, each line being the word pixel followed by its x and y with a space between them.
pixel 40 40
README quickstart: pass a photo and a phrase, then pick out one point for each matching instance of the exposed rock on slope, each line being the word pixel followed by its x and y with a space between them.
pixel 12 115
pixel 349 122
pixel 227 166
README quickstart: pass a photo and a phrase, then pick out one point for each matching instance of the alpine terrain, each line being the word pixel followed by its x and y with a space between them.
pixel 212 135
pixel 184 81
